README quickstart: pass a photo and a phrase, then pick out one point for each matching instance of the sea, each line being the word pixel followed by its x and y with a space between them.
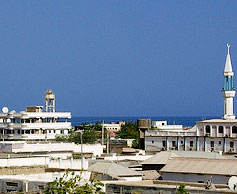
pixel 185 121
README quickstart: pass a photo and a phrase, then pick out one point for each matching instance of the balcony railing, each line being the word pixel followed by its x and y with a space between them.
pixel 169 133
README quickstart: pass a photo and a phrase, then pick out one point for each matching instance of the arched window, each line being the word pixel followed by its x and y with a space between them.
pixel 208 129
pixel 234 129
pixel 221 129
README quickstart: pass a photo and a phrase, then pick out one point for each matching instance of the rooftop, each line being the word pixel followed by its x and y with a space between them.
pixel 219 121
pixel 164 156
pixel 226 167
pixel 112 169
pixel 171 184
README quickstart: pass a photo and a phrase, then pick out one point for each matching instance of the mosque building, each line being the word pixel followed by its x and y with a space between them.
pixel 219 135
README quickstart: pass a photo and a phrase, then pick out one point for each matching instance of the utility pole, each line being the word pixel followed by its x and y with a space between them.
pixel 103 132
pixel 107 142
pixel 81 151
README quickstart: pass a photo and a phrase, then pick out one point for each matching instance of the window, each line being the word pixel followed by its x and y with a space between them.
pixel 11 184
pixel 173 144
pixel 191 144
pixel 182 142
pixel 212 144
pixel 231 144
pixel 152 141
pixel 41 187
pixel 208 129
pixel 219 142
pixel 234 129
pixel 221 129
pixel 163 143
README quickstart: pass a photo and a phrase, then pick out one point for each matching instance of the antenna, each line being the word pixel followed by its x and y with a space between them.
pixel 232 183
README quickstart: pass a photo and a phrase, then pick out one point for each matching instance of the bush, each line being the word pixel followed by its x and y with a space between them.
pixel 182 190
pixel 66 185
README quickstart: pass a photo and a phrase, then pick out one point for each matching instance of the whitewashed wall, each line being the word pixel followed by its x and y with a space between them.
pixel 68 164
pixel 45 161
pixel 16 147
pixel 35 161
pixel 136 157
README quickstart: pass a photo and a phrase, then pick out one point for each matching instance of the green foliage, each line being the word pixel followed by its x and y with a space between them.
pixel 129 131
pixel 91 134
pixel 182 190
pixel 66 185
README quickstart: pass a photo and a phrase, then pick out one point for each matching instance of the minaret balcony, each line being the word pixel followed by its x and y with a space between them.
pixel 228 93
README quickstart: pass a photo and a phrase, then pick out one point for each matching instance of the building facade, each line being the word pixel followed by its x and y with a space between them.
pixel 34 123
pixel 209 135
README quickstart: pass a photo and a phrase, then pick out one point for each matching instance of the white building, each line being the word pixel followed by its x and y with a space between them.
pixel 208 135
pixel 34 123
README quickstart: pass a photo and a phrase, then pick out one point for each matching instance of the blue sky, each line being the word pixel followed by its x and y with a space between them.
pixel 117 58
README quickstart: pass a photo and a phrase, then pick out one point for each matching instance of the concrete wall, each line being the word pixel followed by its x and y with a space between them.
pixel 45 161
pixel 196 178
pixel 34 182
pixel 22 170
pixel 16 147
pixel 35 161
pixel 136 157
pixel 68 163
pixel 148 187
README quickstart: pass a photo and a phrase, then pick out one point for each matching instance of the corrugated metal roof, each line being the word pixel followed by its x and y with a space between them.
pixel 112 169
pixel 165 156
pixel 132 150
pixel 201 166
pixel 150 175
pixel 160 158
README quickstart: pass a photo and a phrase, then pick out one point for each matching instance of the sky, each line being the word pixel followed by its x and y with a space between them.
pixel 117 58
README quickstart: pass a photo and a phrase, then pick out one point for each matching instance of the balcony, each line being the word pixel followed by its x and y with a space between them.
pixel 63 125
pixel 29 136
pixel 169 133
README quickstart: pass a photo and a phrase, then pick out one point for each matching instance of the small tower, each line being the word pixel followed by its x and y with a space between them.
pixel 228 91
pixel 49 98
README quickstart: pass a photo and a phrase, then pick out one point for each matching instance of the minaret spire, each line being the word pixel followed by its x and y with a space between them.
pixel 228 91
pixel 228 66
pixel 228 48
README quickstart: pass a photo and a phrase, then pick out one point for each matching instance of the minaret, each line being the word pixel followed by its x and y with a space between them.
pixel 228 91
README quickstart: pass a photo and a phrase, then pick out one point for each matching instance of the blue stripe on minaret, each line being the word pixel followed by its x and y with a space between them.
pixel 228 83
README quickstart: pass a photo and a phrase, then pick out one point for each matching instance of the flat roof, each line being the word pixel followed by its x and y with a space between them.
pixel 219 188
pixel 164 156
pixel 218 121
pixel 225 167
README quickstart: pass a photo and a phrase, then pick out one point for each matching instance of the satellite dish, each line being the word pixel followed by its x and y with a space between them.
pixel 5 109
pixel 232 183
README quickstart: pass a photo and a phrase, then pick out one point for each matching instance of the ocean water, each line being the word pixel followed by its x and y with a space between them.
pixel 185 121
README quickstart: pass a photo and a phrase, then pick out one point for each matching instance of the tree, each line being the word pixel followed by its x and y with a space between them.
pixel 67 185
pixel 129 131
pixel 182 190
pixel 91 134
